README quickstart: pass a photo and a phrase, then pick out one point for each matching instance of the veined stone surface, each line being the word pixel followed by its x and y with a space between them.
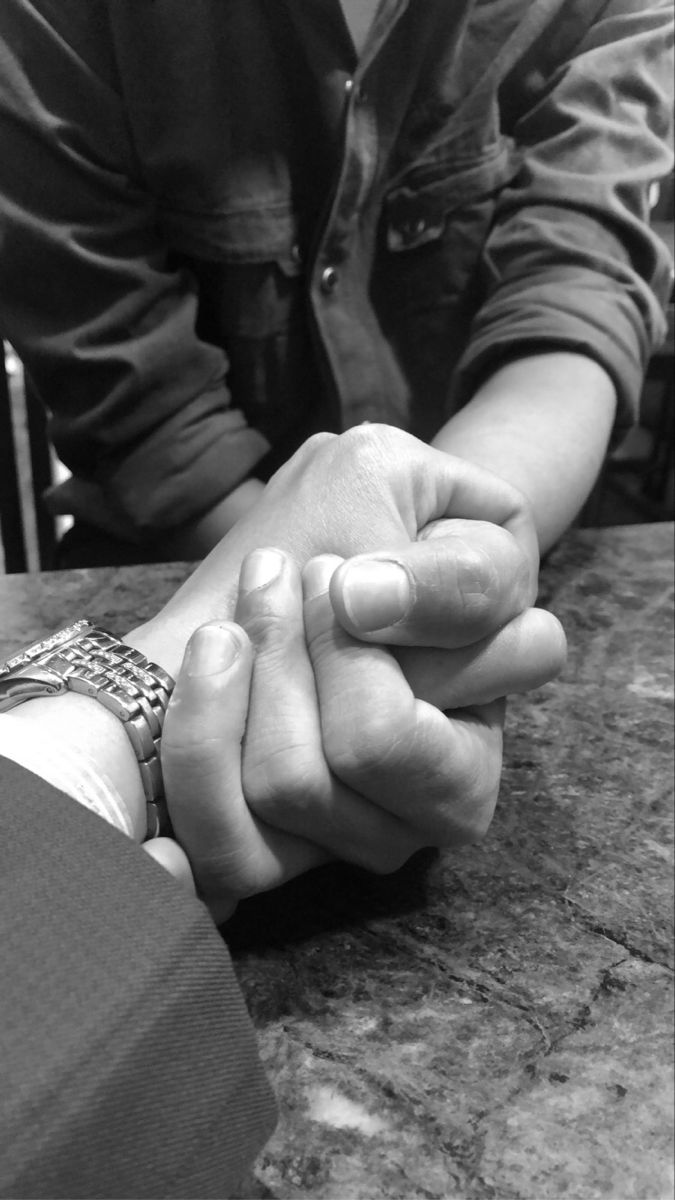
pixel 493 1023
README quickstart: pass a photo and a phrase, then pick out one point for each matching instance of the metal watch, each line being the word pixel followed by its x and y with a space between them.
pixel 88 660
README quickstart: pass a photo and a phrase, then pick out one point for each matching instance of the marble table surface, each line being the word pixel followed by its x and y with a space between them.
pixel 493 1023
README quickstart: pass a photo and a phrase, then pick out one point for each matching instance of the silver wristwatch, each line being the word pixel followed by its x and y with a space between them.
pixel 83 658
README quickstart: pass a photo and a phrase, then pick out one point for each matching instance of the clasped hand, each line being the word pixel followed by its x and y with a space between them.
pixel 352 709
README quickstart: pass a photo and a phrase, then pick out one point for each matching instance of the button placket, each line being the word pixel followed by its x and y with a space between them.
pixel 338 266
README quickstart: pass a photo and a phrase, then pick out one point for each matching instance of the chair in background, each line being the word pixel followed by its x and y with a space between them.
pixel 25 473
pixel 11 515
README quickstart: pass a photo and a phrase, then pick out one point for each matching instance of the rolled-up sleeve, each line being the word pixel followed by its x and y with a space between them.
pixel 88 296
pixel 571 262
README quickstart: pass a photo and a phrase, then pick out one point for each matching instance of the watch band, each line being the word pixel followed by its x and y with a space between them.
pixel 85 659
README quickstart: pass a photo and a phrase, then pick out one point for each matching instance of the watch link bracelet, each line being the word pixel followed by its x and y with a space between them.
pixel 85 659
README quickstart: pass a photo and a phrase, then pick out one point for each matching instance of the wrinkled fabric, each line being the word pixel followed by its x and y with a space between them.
pixel 220 232
pixel 129 1063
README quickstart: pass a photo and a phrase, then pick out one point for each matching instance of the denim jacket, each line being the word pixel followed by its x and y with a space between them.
pixel 220 231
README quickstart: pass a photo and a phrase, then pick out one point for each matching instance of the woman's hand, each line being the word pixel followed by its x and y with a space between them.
pixel 232 854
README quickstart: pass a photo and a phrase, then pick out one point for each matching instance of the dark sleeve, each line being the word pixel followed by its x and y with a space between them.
pixel 87 295
pixel 571 262
pixel 129 1065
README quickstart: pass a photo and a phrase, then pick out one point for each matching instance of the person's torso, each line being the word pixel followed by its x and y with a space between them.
pixel 332 209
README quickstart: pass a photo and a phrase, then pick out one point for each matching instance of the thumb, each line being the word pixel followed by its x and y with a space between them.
pixel 448 590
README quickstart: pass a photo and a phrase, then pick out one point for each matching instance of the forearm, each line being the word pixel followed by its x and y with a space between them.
pixel 371 489
pixel 195 539
pixel 543 424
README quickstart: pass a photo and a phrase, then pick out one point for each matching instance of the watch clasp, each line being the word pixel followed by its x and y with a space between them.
pixel 34 682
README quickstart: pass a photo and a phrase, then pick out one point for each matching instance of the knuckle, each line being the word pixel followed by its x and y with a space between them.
pixel 290 780
pixel 458 794
pixel 294 469
pixel 370 443
pixel 265 627
pixel 317 442
pixel 360 436
pixel 367 745
pixel 320 636
pixel 186 742
pixel 358 451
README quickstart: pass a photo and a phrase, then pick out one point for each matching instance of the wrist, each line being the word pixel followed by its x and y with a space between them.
pixel 542 423
pixel 198 537
pixel 80 748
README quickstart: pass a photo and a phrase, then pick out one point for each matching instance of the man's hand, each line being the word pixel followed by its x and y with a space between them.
pixel 394 600
pixel 337 747
pixel 463 544
pixel 315 746
pixel 374 490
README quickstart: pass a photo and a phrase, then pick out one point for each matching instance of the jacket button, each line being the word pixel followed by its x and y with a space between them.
pixel 329 279
pixel 352 88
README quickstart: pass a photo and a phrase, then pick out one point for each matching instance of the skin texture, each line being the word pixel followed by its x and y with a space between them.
pixel 307 771
pixel 542 423
pixel 468 586
pixel 375 489
pixel 253 764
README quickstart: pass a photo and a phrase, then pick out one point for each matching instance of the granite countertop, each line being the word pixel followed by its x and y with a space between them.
pixel 494 1022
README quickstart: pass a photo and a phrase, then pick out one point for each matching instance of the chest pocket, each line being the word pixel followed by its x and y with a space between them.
pixel 434 226
pixel 251 304
pixel 418 211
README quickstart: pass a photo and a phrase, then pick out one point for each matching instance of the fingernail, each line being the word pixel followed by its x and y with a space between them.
pixel 210 651
pixel 317 574
pixel 474 574
pixel 376 594
pixel 260 568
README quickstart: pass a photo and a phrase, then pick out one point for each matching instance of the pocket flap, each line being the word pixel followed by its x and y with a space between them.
pixel 417 211
pixel 255 235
